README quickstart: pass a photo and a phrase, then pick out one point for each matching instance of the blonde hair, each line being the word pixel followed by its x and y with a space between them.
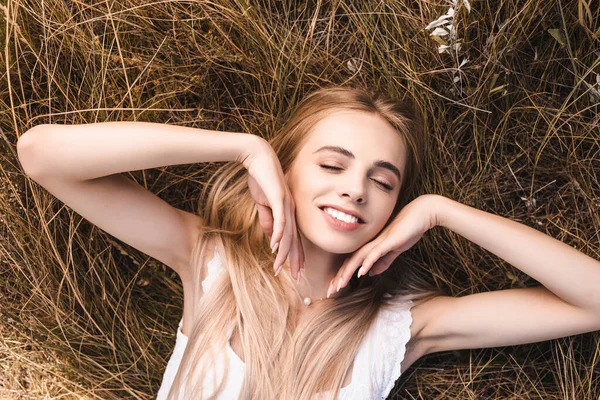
pixel 284 360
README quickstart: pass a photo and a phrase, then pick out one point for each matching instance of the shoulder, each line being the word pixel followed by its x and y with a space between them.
pixel 209 266
pixel 207 262
pixel 403 324
pixel 424 313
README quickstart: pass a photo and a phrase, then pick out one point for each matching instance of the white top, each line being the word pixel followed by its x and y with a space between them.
pixel 376 365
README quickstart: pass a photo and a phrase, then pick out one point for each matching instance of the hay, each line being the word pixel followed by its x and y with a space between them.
pixel 510 93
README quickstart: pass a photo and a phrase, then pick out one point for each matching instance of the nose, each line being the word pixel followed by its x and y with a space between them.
pixel 355 189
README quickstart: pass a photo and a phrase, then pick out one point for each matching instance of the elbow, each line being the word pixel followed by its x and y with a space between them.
pixel 26 149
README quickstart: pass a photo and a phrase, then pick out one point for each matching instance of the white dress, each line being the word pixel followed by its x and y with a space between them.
pixel 376 365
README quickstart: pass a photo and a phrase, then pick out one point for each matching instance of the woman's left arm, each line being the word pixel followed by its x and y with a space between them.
pixel 566 272
pixel 567 304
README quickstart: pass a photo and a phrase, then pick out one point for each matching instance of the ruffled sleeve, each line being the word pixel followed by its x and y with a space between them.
pixel 394 334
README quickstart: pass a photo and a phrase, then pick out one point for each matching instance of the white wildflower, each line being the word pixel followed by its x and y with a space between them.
pixel 440 21
pixel 439 32
pixel 452 29
pixel 528 202
pixel 467 5
pixel 353 65
pixel 445 34
pixel 594 91
pixel 443 48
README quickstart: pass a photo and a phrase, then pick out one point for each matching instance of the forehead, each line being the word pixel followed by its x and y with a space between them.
pixel 366 135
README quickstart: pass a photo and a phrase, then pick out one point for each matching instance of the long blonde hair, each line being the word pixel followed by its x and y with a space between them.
pixel 284 360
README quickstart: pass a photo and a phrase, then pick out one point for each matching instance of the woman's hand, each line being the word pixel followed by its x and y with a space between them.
pixel 276 210
pixel 416 218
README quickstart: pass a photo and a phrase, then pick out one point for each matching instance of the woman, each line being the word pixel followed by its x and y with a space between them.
pixel 270 267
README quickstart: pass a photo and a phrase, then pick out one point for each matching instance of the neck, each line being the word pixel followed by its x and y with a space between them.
pixel 321 268
pixel 306 289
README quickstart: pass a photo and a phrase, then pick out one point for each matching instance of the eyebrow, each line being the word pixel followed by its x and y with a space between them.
pixel 379 163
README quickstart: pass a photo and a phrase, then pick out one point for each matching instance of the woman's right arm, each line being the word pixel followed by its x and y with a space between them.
pixel 90 151
pixel 81 165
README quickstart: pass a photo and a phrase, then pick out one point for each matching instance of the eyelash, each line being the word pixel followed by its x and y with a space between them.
pixel 385 185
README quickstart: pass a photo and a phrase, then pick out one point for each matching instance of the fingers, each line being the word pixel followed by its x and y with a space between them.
pixel 283 248
pixel 265 218
pixel 295 254
pixel 294 269
pixel 291 249
pixel 383 264
pixel 301 250
pixel 278 223
pixel 364 258
pixel 286 237
pixel 290 243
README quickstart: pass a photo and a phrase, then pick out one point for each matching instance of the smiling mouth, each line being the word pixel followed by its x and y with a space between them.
pixel 360 221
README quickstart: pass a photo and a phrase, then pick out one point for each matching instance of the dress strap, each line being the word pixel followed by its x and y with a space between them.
pixel 214 267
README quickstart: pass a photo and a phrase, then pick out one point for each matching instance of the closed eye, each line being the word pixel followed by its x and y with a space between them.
pixel 385 185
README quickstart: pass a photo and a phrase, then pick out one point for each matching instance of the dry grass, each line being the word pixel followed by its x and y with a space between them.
pixel 514 131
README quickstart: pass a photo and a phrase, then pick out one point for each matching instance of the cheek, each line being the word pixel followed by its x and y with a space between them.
pixel 305 188
pixel 383 218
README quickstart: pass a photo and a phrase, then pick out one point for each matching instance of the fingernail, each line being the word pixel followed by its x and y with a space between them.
pixel 360 272
pixel 328 291
pixel 339 285
pixel 278 270
pixel 274 248
pixel 298 280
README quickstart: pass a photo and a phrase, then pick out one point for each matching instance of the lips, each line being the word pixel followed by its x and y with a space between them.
pixel 353 213
pixel 340 225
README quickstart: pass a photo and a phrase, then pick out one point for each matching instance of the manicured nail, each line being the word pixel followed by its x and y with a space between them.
pixel 274 248
pixel 360 272
pixel 278 270
pixel 339 284
pixel 298 280
pixel 328 291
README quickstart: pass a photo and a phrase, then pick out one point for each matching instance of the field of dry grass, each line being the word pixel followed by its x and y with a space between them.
pixel 510 91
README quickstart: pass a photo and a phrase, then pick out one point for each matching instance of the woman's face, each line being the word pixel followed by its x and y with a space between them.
pixel 374 150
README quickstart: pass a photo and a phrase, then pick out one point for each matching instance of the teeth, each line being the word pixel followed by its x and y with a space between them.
pixel 341 216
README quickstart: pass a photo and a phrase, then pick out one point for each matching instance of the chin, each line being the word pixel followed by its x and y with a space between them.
pixel 334 245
